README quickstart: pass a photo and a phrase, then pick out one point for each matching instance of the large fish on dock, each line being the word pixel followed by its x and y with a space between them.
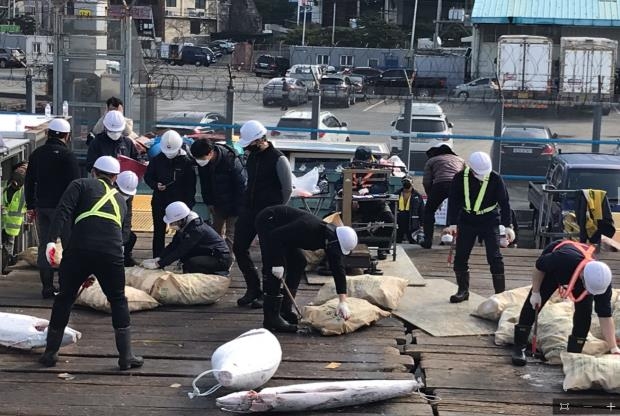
pixel 27 332
pixel 316 396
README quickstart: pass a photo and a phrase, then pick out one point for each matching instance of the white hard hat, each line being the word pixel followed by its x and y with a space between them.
pixel 480 162
pixel 251 131
pixel 176 211
pixel 596 277
pixel 107 164
pixel 171 143
pixel 447 238
pixel 114 121
pixel 439 143
pixel 127 182
pixel 60 125
pixel 347 237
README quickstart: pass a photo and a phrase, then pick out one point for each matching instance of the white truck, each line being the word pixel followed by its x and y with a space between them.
pixel 524 69
pixel 587 69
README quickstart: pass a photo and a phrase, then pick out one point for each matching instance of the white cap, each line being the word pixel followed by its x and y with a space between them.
pixel 176 211
pixel 171 143
pixel 347 237
pixel 127 182
pixel 480 162
pixel 447 238
pixel 59 125
pixel 596 277
pixel 107 164
pixel 251 131
pixel 114 121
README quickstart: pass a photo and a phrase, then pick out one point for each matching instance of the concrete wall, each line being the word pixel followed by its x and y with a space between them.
pixel 35 47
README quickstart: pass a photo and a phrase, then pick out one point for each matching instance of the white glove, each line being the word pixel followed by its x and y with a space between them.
pixel 363 191
pixel 615 351
pixel 510 235
pixel 53 253
pixel 278 272
pixel 535 300
pixel 150 264
pixel 450 230
pixel 342 311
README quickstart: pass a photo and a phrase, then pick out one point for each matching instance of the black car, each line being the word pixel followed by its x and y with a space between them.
pixel 197 55
pixel 371 75
pixel 521 157
pixel 394 82
pixel 272 66
pixel 337 89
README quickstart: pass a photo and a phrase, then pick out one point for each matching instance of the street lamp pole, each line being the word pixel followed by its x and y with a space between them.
pixel 415 17
pixel 334 23
pixel 303 30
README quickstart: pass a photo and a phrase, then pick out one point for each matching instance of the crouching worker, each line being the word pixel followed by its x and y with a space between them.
pixel 199 248
pixel 571 268
pixel 283 232
pixel 96 211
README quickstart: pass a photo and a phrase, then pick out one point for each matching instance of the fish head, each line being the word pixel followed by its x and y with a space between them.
pixel 243 402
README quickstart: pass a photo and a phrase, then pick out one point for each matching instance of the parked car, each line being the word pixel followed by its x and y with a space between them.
pixel 196 55
pixel 523 157
pixel 224 45
pixel 303 120
pixel 272 92
pixel 272 66
pixel 371 75
pixel 12 57
pixel 360 86
pixel 337 89
pixel 309 74
pixel 189 122
pixel 396 82
pixel 478 88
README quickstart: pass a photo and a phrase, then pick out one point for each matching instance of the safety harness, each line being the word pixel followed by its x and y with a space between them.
pixel 479 198
pixel 587 251
pixel 96 211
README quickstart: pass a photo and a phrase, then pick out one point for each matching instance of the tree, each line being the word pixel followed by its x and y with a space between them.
pixel 275 11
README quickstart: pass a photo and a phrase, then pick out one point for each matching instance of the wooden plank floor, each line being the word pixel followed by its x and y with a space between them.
pixel 177 343
pixel 471 374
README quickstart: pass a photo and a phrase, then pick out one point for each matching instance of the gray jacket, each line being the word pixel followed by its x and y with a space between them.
pixel 441 168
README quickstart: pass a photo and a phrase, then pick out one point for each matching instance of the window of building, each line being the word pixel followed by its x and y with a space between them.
pixel 50 48
pixel 36 47
pixel 322 59
pixel 373 63
pixel 346 60
pixel 200 4
pixel 194 27
pixel 171 3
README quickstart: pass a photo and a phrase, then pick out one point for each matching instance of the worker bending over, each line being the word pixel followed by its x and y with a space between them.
pixel 199 248
pixel 571 268
pixel 283 232
pixel 95 247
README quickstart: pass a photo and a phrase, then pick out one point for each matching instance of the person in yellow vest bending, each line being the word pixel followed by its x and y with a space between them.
pixel 478 204
pixel 13 211
pixel 96 210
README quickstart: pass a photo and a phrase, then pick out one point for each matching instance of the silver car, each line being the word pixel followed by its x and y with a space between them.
pixel 485 88
pixel 297 92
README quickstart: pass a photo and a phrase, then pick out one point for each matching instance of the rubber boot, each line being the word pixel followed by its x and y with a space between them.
pixel 575 344
pixel 522 333
pixel 499 282
pixel 462 280
pixel 253 294
pixel 126 359
pixel 54 339
pixel 286 311
pixel 272 319
pixel 47 281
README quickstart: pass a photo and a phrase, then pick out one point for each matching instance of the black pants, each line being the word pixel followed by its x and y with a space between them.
pixel 159 227
pixel 375 211
pixel 129 237
pixel 245 231
pixel 403 218
pixel 75 268
pixel 44 222
pixel 465 241
pixel 129 245
pixel 582 317
pixel 207 264
pixel 438 193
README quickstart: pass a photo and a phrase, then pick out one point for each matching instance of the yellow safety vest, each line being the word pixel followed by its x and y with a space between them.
pixel 402 204
pixel 479 198
pixel 96 209
pixel 14 210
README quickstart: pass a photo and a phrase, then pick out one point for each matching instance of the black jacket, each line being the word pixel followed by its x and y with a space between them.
pixel 92 233
pixel 223 181
pixel 51 168
pixel 264 187
pixel 102 145
pixel 416 209
pixel 496 193
pixel 195 239
pixel 282 227
pixel 177 174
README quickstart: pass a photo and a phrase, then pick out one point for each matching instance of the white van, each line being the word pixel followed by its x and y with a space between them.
pixel 309 74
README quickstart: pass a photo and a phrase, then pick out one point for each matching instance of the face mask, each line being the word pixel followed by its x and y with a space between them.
pixel 175 227
pixel 251 148
pixel 407 185
pixel 171 156
pixel 114 135
pixel 202 162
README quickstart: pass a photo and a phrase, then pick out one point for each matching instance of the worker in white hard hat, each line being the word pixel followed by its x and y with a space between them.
pixel 269 183
pixel 573 270
pixel 127 185
pixel 284 232
pixel 478 204
pixel 172 178
pixel 195 244
pixel 51 168
pixel 115 104
pixel 96 210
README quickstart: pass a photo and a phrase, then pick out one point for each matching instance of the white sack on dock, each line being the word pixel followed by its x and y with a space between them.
pixel 324 319
pixel 382 291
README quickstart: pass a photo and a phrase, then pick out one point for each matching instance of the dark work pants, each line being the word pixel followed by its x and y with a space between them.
pixel 465 241
pixel 245 231
pixel 582 317
pixel 129 244
pixel 207 264
pixel 44 221
pixel 438 193
pixel 159 228
pixel 403 218
pixel 75 268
